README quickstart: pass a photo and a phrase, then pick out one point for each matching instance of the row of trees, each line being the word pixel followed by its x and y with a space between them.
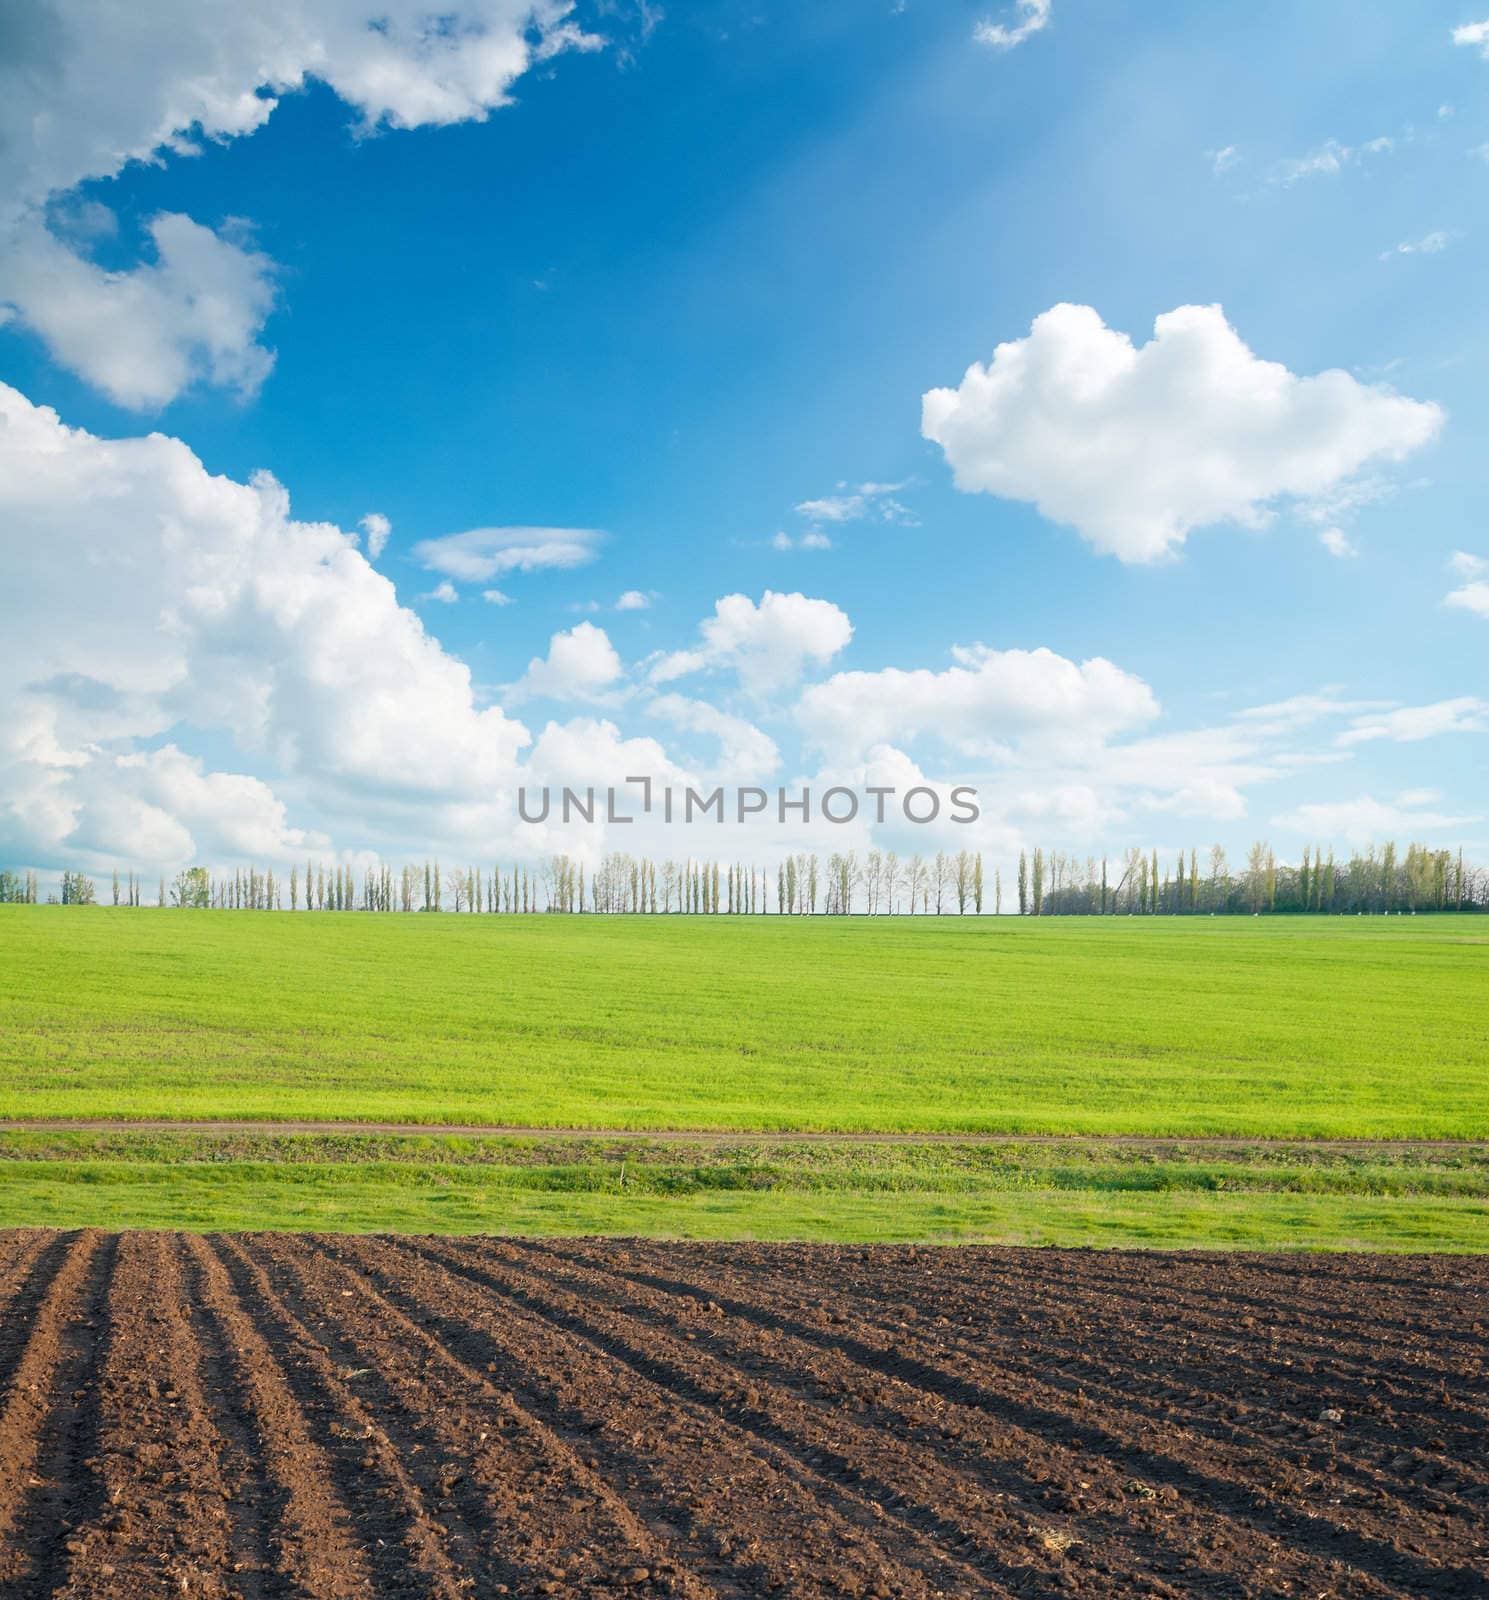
pixel 880 883
pixel 1377 879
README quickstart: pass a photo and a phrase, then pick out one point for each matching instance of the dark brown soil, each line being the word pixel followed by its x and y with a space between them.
pixel 278 1415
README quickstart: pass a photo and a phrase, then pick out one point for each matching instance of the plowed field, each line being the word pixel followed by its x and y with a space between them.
pixel 265 1415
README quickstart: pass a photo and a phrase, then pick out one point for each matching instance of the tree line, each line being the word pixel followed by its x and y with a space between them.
pixel 1378 879
pixel 878 883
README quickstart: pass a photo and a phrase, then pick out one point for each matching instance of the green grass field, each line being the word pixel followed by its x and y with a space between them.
pixel 1369 1028
pixel 1290 1029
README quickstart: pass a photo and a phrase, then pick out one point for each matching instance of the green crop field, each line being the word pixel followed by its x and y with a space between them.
pixel 1294 1029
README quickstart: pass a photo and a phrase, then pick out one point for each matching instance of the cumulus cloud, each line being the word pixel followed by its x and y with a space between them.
pixel 988 702
pixel 634 600
pixel 207 605
pixel 1033 15
pixel 1338 544
pixel 485 553
pixel 768 645
pixel 1136 446
pixel 87 89
pixel 580 665
pixel 1475 35
pixel 142 336
pixel 1471 597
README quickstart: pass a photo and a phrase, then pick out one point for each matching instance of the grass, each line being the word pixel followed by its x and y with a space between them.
pixel 1295 1027
pixel 397 1197
pixel 1130 1039
pixel 1086 1192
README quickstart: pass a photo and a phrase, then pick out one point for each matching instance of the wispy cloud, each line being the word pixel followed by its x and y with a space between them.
pixel 1033 15
pixel 481 554
pixel 1430 244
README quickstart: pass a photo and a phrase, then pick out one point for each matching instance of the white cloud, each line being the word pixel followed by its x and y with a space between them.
pixel 746 755
pixel 1033 15
pixel 1328 160
pixel 1338 544
pixel 1302 710
pixel 1135 447
pixel 377 528
pixel 484 553
pixel 1430 244
pixel 1331 158
pixel 990 701
pixel 866 502
pixel 1475 35
pixel 634 600
pixel 87 89
pixel 1366 820
pixel 1224 159
pixel 1471 597
pixel 144 335
pixel 205 606
pixel 580 665
pixel 1408 724
pixel 495 597
pixel 768 645
pixel 445 593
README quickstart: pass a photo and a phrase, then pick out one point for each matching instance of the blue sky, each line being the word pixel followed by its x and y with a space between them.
pixel 698 273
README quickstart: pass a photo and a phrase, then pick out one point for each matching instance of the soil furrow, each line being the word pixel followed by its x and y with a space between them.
pixel 521 1506
pixel 1054 1488
pixel 50 1330
pixel 1014 1391
pixel 701 1474
pixel 312 1538
pixel 402 1542
pixel 340 1418
pixel 163 1520
pixel 943 1515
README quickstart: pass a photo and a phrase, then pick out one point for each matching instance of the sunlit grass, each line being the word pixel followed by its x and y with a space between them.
pixel 1310 1027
